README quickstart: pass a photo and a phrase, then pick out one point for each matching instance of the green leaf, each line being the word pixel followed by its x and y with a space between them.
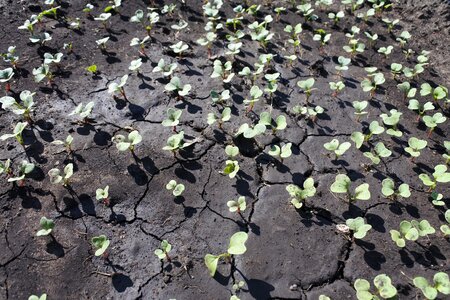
pixel 387 187
pixel 237 243
pixel 47 226
pixel 211 262
pixel 358 138
pixel 100 244
pixel 362 192
pixel 341 184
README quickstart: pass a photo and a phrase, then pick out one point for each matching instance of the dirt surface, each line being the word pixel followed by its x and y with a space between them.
pixel 291 254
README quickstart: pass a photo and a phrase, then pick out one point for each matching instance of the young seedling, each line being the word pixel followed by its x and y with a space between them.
pixel 233 49
pixel 411 73
pixel 220 98
pixel 127 143
pixel 306 11
pixel 135 65
pixel 29 24
pixel 370 84
pixel 354 47
pixel 411 231
pixel 93 69
pixel 438 93
pixel 392 121
pixel 83 112
pixel 101 43
pixel 222 71
pixel 372 38
pixel 336 87
pixel 281 152
pixel 414 147
pixel 103 17
pixel 113 7
pixel 388 189
pixel 359 107
pixel 231 168
pixel 390 23
pixel 342 184
pixel 223 117
pixel 177 87
pixel 163 252
pixel 236 247
pixel 56 177
pixel 179 48
pixel 255 94
pixel 141 44
pixel 238 205
pixel 165 69
pixel 266 119
pixel 25 168
pixel 43 72
pixel 433 121
pixel 446 156
pixel 10 57
pixel 173 118
pixel 421 109
pixel 251 132
pixel 322 36
pixel 358 226
pixel 307 87
pixel 231 151
pixel 46 225
pixel 41 38
pixel 440 175
pixel 337 148
pixel 380 151
pixel 445 229
pixel 407 90
pixel 23 108
pixel 354 4
pixel 17 133
pixel 343 64
pixel 440 284
pixel 207 42
pixel 103 195
pixel 383 288
pixel 176 188
pixel 67 143
pixel 6 168
pixel 336 17
pixel 299 195
pixel 115 87
pixel 396 70
pixel 176 142
pixel 310 113
pixel 5 76
pixel 100 244
pixel 386 51
pixel 34 297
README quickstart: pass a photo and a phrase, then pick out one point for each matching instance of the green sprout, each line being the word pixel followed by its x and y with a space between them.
pixel 359 107
pixel 34 297
pixel 396 69
pixel 310 113
pixel 380 151
pixel 307 87
pixel 100 244
pixel 445 229
pixel 358 226
pixel 438 93
pixel 392 121
pixel 343 64
pixel 29 24
pixel 115 87
pixel 17 133
pixel 135 65
pixel 6 168
pixel 255 94
pixel 41 38
pixel 25 168
pixel 238 205
pixel 354 47
pixel 101 43
pixel 103 17
pixel 176 188
pixel 5 76
pixel 179 48
pixel 114 6
pixel 231 151
pixel 336 17
pixel 207 42
pixel 342 184
pixel 337 148
pixel 127 143
pixel 322 36
pixel 83 111
pixel 163 252
pixel 231 168
pixel 176 86
pixel 383 288
pixel 141 43
pixel 386 51
pixel 411 231
pixel 67 143
pixel 446 156
pixel 281 152
pixel 370 85
pixel 173 118
pixel 47 226
pixel 166 69
pixel 56 177
pixel 440 284
pixel 266 120
pixel 42 72
pixel 92 69
pixel 433 121
pixel 388 189
pixel 236 247
pixel 225 116
pixel 176 142
pixel 299 195
pixel 220 98
pixel 414 147
pixel 421 109
pixel 23 108
pixel 440 175
pixel 103 195
pixel 407 90
pixel 222 71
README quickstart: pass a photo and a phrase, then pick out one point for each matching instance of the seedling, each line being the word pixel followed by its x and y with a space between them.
pixel 207 42
pixel 355 30
pixel 383 288
pixel 390 23
pixel 359 107
pixel 336 16
pixel 341 185
pixel 337 148
pixel 233 49
pixel 114 87
pixel 310 113
pixel 92 69
pixel 29 24
pixel 83 112
pixel 407 90
pixel 231 168
pixel 173 118
pixel 24 169
pixel 306 11
pixel 358 226
pixel 396 69
pixel 354 4
pixel 386 51
pixel 307 87
pixel 176 188
pixel 67 143
pixel 322 36
pixel 281 152
pixel 6 168
pixel 23 108
pixel 43 72
pixel 34 297
pixel 255 94
pixel 266 119
pixel 52 59
pixel 176 86
pixel 114 6
pixel 414 147
pixel 223 117
pixel 354 47
pixel 336 87
pixel 371 84
pixel 101 43
pixel 392 121
pixel 380 151
pixel 141 44
pixel 238 205
pixel 176 142
pixel 236 247
pixel 343 64
pixel 300 195
pixel 440 175
pixel 231 151
pixel 220 98
pixel 388 189
pixel 440 284
pixel 445 229
pixel 10 57
pixel 411 231
pixel 404 37
pixel 104 17
pixel 5 76
pixel 100 244
pixel 127 143
pixel 222 71
pixel 436 199
pixel 103 195
pixel 163 252
pixel 433 121
pixel 56 177
pixel 421 109
pixel 41 38
pixel 372 37
pixel 17 133
pixel 446 156
pixel 410 73
pixel 47 226
pixel 166 69
pixel 179 48
pixel 135 65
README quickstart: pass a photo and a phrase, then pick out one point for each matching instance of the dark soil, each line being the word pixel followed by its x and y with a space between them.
pixel 292 254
